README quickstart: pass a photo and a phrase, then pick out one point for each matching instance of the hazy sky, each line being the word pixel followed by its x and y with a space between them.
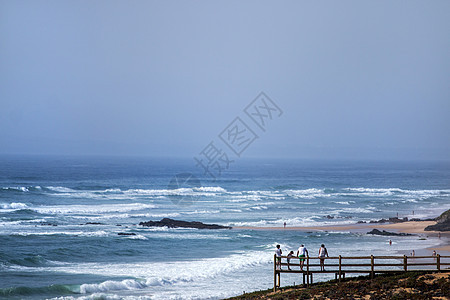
pixel 355 79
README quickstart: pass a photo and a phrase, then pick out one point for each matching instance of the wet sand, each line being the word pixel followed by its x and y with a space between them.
pixel 412 227
pixel 417 227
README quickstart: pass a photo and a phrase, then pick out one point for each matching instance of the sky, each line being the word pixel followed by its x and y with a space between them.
pixel 353 79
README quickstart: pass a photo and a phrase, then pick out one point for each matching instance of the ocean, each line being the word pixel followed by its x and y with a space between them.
pixel 60 219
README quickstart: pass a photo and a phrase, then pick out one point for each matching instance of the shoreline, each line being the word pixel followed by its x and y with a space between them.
pixel 411 227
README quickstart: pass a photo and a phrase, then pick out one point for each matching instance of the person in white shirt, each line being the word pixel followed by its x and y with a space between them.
pixel 278 253
pixel 302 252
pixel 322 253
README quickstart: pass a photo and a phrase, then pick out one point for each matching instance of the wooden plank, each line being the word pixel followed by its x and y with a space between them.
pixel 388 265
pixel 358 271
pixel 274 272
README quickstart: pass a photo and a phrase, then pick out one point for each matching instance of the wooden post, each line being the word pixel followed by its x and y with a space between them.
pixel 307 270
pixel 372 274
pixel 279 279
pixel 438 262
pixel 340 267
pixel 303 278
pixel 405 263
pixel 274 272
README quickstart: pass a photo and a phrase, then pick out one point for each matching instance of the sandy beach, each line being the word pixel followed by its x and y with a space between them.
pixel 411 227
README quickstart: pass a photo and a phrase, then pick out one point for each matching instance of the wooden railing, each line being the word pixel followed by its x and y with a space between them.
pixel 371 265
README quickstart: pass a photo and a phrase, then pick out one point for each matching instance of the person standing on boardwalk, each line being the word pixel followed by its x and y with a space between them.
pixel 302 252
pixel 322 253
pixel 278 253
pixel 290 255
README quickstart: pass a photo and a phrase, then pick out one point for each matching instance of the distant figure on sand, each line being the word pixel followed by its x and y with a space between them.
pixel 322 253
pixel 413 253
pixel 302 252
pixel 390 242
pixel 290 255
pixel 284 224
pixel 434 254
pixel 278 253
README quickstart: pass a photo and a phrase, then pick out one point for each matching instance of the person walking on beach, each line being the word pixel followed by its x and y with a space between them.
pixel 322 253
pixel 302 252
pixel 278 253
pixel 290 255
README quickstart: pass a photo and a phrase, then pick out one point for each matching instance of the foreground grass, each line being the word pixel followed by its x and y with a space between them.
pixel 418 285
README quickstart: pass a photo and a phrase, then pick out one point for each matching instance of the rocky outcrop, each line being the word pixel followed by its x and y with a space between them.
pixel 442 223
pixel 390 220
pixel 387 233
pixel 170 223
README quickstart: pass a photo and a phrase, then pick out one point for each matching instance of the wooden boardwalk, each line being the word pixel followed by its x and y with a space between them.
pixel 371 265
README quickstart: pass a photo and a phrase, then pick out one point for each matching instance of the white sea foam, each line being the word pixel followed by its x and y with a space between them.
pixel 150 274
pixel 398 193
pixel 292 222
pixel 353 210
pixel 61 189
pixel 134 193
pixel 92 209
pixel 307 194
pixel 244 198
pixel 344 202
pixel 13 206
pixel 99 233
pixel 216 189
pixel 257 207
pixel 201 212
pixel 17 188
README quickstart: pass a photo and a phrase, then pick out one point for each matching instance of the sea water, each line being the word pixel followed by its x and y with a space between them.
pixel 60 219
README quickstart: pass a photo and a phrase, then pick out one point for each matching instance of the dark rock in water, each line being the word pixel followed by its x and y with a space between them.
pixel 384 232
pixel 379 221
pixel 166 222
pixel 94 223
pixel 390 220
pixel 361 222
pixel 443 223
pixel 329 217
pixel 397 220
pixel 126 233
pixel 48 224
